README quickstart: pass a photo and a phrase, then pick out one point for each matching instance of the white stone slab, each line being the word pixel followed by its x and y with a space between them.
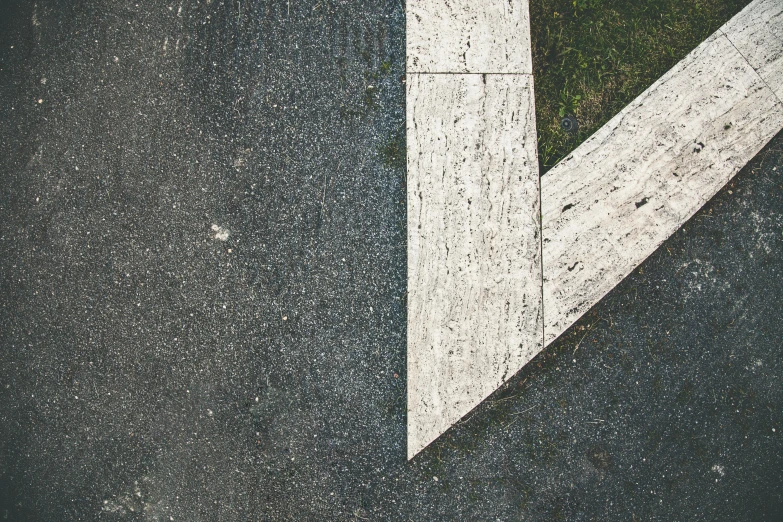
pixel 468 36
pixel 620 194
pixel 474 275
pixel 757 33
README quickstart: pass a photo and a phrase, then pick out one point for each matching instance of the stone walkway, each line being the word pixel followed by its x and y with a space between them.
pixel 475 313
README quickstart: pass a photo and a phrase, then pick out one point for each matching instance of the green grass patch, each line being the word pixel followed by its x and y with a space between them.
pixel 392 152
pixel 593 57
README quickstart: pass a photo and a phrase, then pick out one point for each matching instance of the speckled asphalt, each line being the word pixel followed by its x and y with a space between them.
pixel 202 297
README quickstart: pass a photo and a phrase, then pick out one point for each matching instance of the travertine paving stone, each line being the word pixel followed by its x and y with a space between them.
pixel 613 201
pixel 757 33
pixel 464 36
pixel 474 278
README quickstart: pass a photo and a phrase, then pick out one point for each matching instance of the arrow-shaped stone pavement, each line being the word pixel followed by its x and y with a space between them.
pixel 499 267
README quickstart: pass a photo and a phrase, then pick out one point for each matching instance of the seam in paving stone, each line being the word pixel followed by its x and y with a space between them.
pixel 541 247
pixel 755 69
pixel 756 32
pixel 468 73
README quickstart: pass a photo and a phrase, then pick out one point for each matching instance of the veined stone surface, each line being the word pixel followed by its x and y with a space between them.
pixel 757 33
pixel 466 36
pixel 474 274
pixel 619 195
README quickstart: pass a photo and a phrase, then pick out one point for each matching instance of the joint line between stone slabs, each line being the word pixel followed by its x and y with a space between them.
pixel 468 73
pixel 540 234
pixel 751 65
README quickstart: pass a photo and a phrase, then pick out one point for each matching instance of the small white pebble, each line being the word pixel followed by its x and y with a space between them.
pixel 40 100
pixel 221 234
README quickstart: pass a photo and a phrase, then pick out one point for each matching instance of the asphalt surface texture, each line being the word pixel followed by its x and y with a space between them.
pixel 202 297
